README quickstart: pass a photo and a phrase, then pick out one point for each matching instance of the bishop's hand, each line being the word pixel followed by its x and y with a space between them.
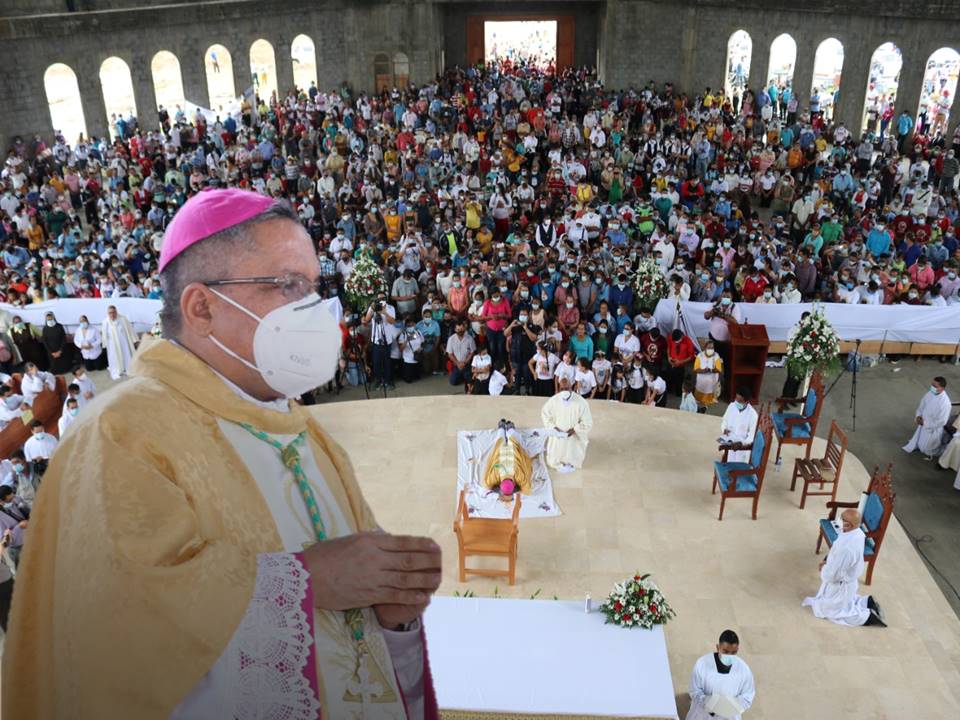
pixel 374 568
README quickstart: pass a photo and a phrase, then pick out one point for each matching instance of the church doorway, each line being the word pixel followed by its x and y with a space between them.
pixel 543 39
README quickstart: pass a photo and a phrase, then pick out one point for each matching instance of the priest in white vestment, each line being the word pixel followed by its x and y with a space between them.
pixel 932 415
pixel 235 569
pixel 837 599
pixel 34 381
pixel 721 677
pixel 739 425
pixel 117 336
pixel 567 416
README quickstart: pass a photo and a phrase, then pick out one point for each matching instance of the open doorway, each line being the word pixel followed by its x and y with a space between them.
pixel 521 41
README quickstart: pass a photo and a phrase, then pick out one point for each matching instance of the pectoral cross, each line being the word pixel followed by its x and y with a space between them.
pixel 363 688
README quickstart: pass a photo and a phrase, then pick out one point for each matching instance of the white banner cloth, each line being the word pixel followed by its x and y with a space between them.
pixel 473 449
pixel 142 313
pixel 899 323
pixel 544 657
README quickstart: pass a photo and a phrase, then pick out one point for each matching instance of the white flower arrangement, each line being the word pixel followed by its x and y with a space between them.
pixel 364 284
pixel 650 284
pixel 637 602
pixel 813 345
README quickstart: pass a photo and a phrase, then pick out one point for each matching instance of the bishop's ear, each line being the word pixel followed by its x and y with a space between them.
pixel 195 309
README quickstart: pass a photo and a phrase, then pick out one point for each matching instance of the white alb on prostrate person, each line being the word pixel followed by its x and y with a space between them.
pixel 837 599
pixel 722 684
pixel 568 415
pixel 932 415
pixel 739 426
pixel 117 336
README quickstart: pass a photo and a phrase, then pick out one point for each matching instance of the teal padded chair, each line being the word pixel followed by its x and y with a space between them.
pixel 799 428
pixel 876 516
pixel 745 480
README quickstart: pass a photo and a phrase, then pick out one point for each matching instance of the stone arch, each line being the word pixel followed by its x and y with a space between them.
pixel 382 72
pixel 63 99
pixel 882 83
pixel 401 70
pixel 167 81
pixel 116 84
pixel 827 68
pixel 219 68
pixel 263 69
pixel 303 53
pixel 783 60
pixel 938 90
pixel 739 52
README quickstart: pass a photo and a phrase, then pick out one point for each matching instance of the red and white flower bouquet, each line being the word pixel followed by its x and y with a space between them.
pixel 637 602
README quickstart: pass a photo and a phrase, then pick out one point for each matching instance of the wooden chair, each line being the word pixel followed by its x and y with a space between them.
pixel 799 428
pixel 738 479
pixel 487 537
pixel 822 471
pixel 876 516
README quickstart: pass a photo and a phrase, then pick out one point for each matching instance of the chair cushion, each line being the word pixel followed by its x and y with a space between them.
pixel 801 430
pixel 827 528
pixel 810 404
pixel 745 483
pixel 756 450
pixel 873 512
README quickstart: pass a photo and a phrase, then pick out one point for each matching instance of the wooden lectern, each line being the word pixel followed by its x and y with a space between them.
pixel 748 350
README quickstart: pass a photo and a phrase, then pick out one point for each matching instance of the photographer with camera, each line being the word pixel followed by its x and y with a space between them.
pixel 380 318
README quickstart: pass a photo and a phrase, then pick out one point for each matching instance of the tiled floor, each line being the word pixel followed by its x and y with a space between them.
pixel 643 503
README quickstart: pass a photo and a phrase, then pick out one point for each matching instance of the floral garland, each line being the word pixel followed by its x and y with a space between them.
pixel 813 344
pixel 650 284
pixel 364 283
pixel 637 602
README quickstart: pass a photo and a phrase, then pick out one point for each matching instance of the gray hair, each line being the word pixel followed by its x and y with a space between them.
pixel 204 261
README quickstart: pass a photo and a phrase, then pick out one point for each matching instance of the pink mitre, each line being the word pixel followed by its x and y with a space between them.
pixel 207 213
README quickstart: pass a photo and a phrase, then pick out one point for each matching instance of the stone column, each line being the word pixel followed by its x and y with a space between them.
pixel 91 98
pixel 284 60
pixel 759 61
pixel 853 84
pixel 240 58
pixel 911 81
pixel 803 69
pixel 194 75
pixel 144 93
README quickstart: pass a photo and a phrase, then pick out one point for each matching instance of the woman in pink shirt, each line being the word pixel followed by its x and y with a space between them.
pixel 496 313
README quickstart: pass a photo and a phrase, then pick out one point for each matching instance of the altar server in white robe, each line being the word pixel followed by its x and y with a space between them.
pixel 721 673
pixel 566 413
pixel 837 599
pixel 739 425
pixel 117 336
pixel 931 416
pixel 34 381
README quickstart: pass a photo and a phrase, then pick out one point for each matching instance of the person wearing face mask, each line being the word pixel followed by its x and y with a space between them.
pixel 932 415
pixel 88 342
pixel 29 347
pixel 837 599
pixel 34 382
pixel 117 336
pixel 14 521
pixel 237 488
pixel 59 351
pixel 68 416
pixel 722 684
pixel 567 416
pixel 723 313
pixel 707 371
pixel 738 427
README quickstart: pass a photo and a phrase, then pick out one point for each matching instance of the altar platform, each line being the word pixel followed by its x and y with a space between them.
pixel 643 503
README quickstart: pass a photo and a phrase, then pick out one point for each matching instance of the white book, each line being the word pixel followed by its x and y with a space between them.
pixel 723 706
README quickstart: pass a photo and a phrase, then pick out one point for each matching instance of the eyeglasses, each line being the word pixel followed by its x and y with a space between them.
pixel 294 286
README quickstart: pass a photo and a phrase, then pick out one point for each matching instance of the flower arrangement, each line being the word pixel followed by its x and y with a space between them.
pixel 650 284
pixel 364 283
pixel 813 344
pixel 637 602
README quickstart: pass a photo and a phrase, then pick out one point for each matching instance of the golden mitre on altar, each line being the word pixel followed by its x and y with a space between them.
pixel 508 461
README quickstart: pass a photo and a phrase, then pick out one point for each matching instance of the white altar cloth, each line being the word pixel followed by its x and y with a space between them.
pixel 473 449
pixel 544 657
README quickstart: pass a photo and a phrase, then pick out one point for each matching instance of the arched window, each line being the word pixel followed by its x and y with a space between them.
pixel 783 58
pixel 881 97
pixel 401 71
pixel 827 66
pixel 263 68
pixel 304 56
pixel 938 91
pixel 117 87
pixel 382 75
pixel 167 82
pixel 63 97
pixel 220 87
pixel 739 50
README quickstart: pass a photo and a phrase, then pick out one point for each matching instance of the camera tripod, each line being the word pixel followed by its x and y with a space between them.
pixel 853 365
